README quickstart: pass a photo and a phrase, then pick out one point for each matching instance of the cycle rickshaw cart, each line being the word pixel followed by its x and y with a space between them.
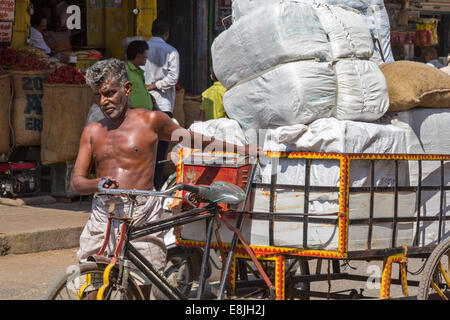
pixel 383 207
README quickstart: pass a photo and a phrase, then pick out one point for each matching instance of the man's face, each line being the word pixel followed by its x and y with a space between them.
pixel 141 59
pixel 113 98
pixel 43 25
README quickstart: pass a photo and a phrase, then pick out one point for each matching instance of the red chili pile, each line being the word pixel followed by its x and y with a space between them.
pixel 9 57
pixel 30 64
pixel 66 75
pixel 13 58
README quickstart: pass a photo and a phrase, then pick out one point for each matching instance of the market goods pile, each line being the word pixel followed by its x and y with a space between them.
pixel 38 54
pixel 304 71
pixel 373 12
pixel 14 59
pixel 414 84
pixel 65 105
pixel 8 57
pixel 302 62
pixel 66 75
pixel 314 59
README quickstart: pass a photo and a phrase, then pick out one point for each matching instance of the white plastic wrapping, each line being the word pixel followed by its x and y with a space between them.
pixel 361 91
pixel 289 31
pixel 427 132
pixel 300 63
pixel 224 129
pixel 419 130
pixel 325 135
pixel 347 30
pixel 304 91
pixel 298 92
pixel 373 11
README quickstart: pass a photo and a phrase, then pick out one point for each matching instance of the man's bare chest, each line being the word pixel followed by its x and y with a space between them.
pixel 123 144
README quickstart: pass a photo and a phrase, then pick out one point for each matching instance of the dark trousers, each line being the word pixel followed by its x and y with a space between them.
pixel 161 154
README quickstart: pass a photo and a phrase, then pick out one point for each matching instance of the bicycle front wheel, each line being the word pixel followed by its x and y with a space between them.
pixel 82 282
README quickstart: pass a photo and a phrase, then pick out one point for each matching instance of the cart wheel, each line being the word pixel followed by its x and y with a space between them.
pixel 435 283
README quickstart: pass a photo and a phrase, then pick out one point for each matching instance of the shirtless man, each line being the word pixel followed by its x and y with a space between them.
pixel 123 148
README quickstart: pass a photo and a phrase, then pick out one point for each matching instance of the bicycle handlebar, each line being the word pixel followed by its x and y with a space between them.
pixel 218 191
pixel 135 192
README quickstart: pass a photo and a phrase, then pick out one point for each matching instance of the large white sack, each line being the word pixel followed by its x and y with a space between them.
pixel 224 129
pixel 289 31
pixel 427 131
pixel 324 135
pixel 373 11
pixel 336 136
pixel 361 91
pixel 298 92
pixel 347 30
pixel 304 91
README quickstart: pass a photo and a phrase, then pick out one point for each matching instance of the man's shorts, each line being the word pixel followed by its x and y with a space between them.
pixel 146 209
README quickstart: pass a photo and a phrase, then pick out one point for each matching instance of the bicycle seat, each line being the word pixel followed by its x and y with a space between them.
pixel 219 192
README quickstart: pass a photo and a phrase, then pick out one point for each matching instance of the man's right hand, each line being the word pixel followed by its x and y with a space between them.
pixel 110 183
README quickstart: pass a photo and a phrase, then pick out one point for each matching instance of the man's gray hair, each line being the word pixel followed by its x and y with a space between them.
pixel 103 70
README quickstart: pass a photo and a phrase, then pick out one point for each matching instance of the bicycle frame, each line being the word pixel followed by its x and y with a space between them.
pixel 129 232
pixel 128 253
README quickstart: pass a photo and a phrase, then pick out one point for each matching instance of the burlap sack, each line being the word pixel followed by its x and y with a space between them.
pixel 178 111
pixel 414 84
pixel 191 108
pixel 5 98
pixel 27 106
pixel 65 108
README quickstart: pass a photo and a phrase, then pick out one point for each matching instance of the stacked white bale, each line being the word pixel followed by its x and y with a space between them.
pixel 334 136
pixel 361 91
pixel 301 63
pixel 427 132
pixel 298 92
pixel 373 11
pixel 324 135
pixel 289 32
pixel 347 31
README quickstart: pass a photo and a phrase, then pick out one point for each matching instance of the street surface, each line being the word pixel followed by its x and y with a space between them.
pixel 28 276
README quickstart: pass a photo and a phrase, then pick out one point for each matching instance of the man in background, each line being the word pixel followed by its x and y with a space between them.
pixel 38 25
pixel 137 57
pixel 431 57
pixel 161 76
pixel 212 101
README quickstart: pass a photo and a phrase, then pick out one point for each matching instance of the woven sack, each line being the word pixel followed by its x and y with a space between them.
pixel 415 84
pixel 27 106
pixel 65 108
